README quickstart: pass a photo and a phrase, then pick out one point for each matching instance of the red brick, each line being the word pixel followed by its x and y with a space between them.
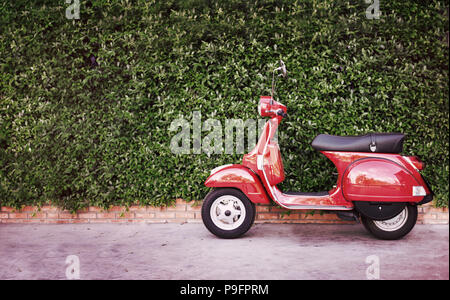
pixel 176 208
pixel 52 215
pixel 193 208
pixel 425 210
pixel 83 210
pixel 268 216
pixel 276 221
pixel 429 216
pixel 28 208
pixel 329 217
pixel 292 216
pixel 145 215
pixel 180 201
pixel 192 202
pixel 106 215
pixel 137 221
pixel 165 215
pixel 113 208
pixel 49 208
pixel 125 215
pixel 77 221
pixel 120 221
pixel 66 215
pixel 319 216
pixel 95 209
pixel 435 221
pixel 18 215
pixel 4 215
pixel 262 208
pixel 137 208
pixel 56 221
pixel 278 209
pixel 13 220
pixel 37 215
pixel 100 221
pixel 436 209
pixel 442 216
pixel 87 216
pixel 187 215
pixel 34 221
pixel 156 209
pixel 181 206
pixel 7 209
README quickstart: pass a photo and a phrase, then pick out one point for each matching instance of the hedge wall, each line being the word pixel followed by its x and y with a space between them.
pixel 86 103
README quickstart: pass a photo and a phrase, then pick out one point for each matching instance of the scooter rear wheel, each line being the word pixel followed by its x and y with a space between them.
pixel 394 228
pixel 228 213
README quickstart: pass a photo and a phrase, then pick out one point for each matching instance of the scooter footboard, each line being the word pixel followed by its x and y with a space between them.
pixel 240 177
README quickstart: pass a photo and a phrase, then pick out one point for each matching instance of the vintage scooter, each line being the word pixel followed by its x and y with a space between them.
pixel 375 183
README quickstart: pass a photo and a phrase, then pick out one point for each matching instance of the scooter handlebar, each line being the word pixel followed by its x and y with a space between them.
pixel 281 112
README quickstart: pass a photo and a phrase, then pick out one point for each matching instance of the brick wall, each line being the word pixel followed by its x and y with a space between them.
pixel 432 215
pixel 183 212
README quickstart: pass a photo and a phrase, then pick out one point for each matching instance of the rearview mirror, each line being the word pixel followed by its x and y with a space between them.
pixel 283 68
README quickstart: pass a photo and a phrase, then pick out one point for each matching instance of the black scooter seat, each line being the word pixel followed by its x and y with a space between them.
pixel 372 142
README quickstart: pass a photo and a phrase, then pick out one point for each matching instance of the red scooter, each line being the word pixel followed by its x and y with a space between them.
pixel 375 183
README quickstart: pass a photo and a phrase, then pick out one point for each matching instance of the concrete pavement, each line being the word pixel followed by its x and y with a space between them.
pixel 189 251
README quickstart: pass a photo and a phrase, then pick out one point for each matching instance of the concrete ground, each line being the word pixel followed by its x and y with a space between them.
pixel 189 251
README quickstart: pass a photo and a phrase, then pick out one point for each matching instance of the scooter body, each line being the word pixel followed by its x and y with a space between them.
pixel 376 186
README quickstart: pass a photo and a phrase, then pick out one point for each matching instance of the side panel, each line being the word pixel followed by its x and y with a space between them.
pixel 242 178
pixel 377 179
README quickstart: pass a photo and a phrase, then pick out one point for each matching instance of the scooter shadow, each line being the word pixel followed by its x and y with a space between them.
pixel 313 234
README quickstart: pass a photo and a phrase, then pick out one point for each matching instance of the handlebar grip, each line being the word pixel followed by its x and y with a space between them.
pixel 280 112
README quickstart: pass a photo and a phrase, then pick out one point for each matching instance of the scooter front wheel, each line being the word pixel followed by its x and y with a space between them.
pixel 393 228
pixel 227 213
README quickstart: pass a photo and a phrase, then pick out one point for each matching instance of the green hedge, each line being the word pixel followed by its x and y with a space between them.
pixel 78 134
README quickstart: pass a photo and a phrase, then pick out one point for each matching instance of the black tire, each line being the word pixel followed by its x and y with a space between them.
pixel 249 218
pixel 404 229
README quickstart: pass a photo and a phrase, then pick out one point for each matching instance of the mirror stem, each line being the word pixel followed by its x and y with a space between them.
pixel 273 86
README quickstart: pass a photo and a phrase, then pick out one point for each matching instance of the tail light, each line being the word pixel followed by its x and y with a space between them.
pixel 416 162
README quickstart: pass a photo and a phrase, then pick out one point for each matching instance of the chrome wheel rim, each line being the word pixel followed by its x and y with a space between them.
pixel 394 223
pixel 227 212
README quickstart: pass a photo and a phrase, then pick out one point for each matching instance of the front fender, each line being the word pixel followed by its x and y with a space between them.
pixel 240 177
